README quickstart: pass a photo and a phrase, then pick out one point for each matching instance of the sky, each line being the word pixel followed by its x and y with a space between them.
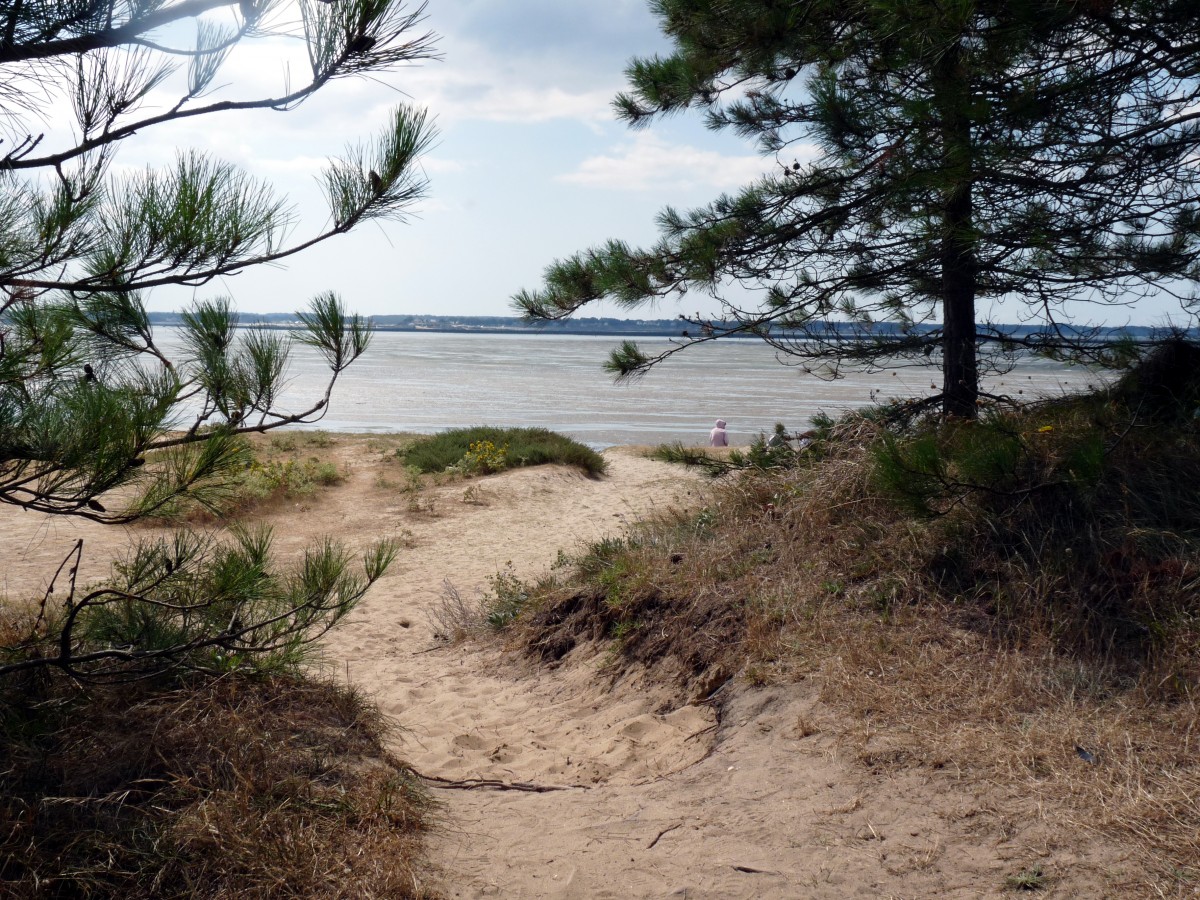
pixel 529 165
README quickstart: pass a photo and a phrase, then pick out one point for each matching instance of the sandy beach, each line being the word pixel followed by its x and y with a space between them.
pixel 570 784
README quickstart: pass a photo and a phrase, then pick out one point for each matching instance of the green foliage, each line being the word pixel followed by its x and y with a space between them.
pixel 292 441
pixel 601 554
pixel 913 171
pixel 1081 512
pixel 1031 879
pixel 1075 449
pixel 763 454
pixel 508 597
pixel 484 458
pixel 196 603
pixel 86 395
pixel 942 462
pixel 510 447
pixel 287 478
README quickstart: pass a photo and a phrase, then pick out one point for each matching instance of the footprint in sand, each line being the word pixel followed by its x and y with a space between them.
pixel 469 742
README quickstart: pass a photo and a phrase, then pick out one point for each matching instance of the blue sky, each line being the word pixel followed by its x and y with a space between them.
pixel 530 164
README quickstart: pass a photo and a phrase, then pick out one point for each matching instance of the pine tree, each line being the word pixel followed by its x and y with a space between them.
pixel 932 159
pixel 85 393
pixel 95 420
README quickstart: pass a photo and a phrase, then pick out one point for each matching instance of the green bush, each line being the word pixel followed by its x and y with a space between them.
pixel 508 597
pixel 467 449
pixel 940 463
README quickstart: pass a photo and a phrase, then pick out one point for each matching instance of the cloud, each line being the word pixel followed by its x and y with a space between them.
pixel 531 61
pixel 483 88
pixel 648 163
pixel 594 37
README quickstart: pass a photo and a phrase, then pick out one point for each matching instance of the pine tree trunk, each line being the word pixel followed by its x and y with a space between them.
pixel 960 371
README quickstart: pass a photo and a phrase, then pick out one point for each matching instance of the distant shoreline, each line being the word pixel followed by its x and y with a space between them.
pixel 608 327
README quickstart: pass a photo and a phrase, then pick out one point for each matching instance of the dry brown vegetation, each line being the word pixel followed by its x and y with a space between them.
pixel 284 467
pixel 1045 635
pixel 234 787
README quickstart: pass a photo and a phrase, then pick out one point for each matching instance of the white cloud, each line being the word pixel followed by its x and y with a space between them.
pixel 504 93
pixel 648 163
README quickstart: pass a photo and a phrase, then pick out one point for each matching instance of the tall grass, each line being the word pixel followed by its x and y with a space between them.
pixel 519 446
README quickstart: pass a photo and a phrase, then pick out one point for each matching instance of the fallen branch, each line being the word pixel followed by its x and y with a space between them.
pixel 492 784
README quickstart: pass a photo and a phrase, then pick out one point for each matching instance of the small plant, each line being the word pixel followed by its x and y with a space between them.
pixel 705 520
pixel 421 506
pixel 763 454
pixel 484 458
pixel 623 630
pixel 508 597
pixel 456 617
pixel 412 480
pixel 266 481
pixel 599 555
pixel 1031 879
pixel 192 602
pixel 292 441
pixel 284 443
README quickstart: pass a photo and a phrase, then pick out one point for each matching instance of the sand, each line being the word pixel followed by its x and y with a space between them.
pixel 610 789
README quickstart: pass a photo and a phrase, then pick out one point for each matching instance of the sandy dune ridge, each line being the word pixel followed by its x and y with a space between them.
pixel 757 793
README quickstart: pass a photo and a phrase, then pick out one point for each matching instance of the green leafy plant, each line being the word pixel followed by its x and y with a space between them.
pixel 484 458
pixel 508 597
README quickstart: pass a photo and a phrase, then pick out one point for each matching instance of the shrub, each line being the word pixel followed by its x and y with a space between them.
pixel 484 458
pixel 487 448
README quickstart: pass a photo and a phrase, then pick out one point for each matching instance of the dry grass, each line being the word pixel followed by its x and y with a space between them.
pixel 225 788
pixel 964 649
pixel 287 466
pixel 456 617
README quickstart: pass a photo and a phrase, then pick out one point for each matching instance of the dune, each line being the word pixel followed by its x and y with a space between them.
pixel 574 783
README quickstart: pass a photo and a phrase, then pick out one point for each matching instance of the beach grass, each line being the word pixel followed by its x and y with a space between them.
pixel 483 448
pixel 1015 599
pixel 283 466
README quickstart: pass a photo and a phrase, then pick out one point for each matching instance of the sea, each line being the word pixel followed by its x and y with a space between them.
pixel 426 382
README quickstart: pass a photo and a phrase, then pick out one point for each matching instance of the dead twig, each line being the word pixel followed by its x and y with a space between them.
pixel 658 836
pixel 492 784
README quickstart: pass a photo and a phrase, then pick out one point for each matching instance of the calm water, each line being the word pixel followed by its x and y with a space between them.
pixel 426 382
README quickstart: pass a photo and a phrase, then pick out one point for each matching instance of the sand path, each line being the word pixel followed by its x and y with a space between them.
pixel 659 799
